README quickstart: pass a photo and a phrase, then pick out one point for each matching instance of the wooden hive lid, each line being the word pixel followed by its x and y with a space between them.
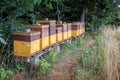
pixel 58 28
pixel 26 33
pixel 69 23
pixel 82 23
pixel 37 26
pixel 45 21
pixel 74 24
pixel 60 25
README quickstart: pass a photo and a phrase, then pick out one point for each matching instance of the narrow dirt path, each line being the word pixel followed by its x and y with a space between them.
pixel 64 69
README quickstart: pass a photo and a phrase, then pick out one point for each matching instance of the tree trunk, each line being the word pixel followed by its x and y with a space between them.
pixel 83 14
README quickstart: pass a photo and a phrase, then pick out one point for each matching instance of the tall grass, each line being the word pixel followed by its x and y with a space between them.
pixel 111 53
pixel 102 60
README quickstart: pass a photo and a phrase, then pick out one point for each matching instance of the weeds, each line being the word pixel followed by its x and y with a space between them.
pixel 6 74
pixel 103 58
pixel 111 53
pixel 43 66
pixel 52 56
pixel 81 74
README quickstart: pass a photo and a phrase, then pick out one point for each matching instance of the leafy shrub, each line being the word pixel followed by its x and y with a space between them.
pixel 81 74
pixel 65 46
pixel 53 56
pixel 93 60
pixel 43 66
pixel 6 74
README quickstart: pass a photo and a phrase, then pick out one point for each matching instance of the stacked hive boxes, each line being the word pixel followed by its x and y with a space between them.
pixel 64 30
pixel 75 30
pixel 26 44
pixel 69 26
pixel 44 36
pixel 59 34
pixel 52 30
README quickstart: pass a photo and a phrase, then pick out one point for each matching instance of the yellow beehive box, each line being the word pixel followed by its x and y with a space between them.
pixel 26 44
pixel 44 36
pixel 64 30
pixel 75 30
pixel 52 30
pixel 69 30
pixel 78 24
pixel 59 34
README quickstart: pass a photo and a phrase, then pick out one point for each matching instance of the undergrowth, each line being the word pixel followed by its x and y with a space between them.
pixel 101 61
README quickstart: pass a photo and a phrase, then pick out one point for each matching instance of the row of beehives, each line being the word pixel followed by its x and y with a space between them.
pixel 43 35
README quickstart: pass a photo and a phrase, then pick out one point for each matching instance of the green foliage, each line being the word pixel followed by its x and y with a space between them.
pixel 82 75
pixel 52 56
pixel 43 66
pixel 65 46
pixel 98 12
pixel 92 60
pixel 6 73
pixel 74 46
pixel 37 1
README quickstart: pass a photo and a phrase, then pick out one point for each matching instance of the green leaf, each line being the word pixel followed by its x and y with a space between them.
pixel 37 1
pixel 49 5
pixel 2 74
pixel 9 72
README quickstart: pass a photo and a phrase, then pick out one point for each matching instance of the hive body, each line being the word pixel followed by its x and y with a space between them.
pixel 26 44
pixel 52 30
pixel 75 30
pixel 64 31
pixel 69 30
pixel 59 34
pixel 44 36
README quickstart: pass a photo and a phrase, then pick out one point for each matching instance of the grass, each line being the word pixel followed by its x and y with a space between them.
pixel 102 60
pixel 111 53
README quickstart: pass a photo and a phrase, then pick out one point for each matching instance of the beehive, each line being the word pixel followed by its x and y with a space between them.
pixel 64 30
pixel 52 30
pixel 59 34
pixel 26 44
pixel 75 30
pixel 69 30
pixel 79 24
pixel 82 27
pixel 80 30
pixel 44 36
